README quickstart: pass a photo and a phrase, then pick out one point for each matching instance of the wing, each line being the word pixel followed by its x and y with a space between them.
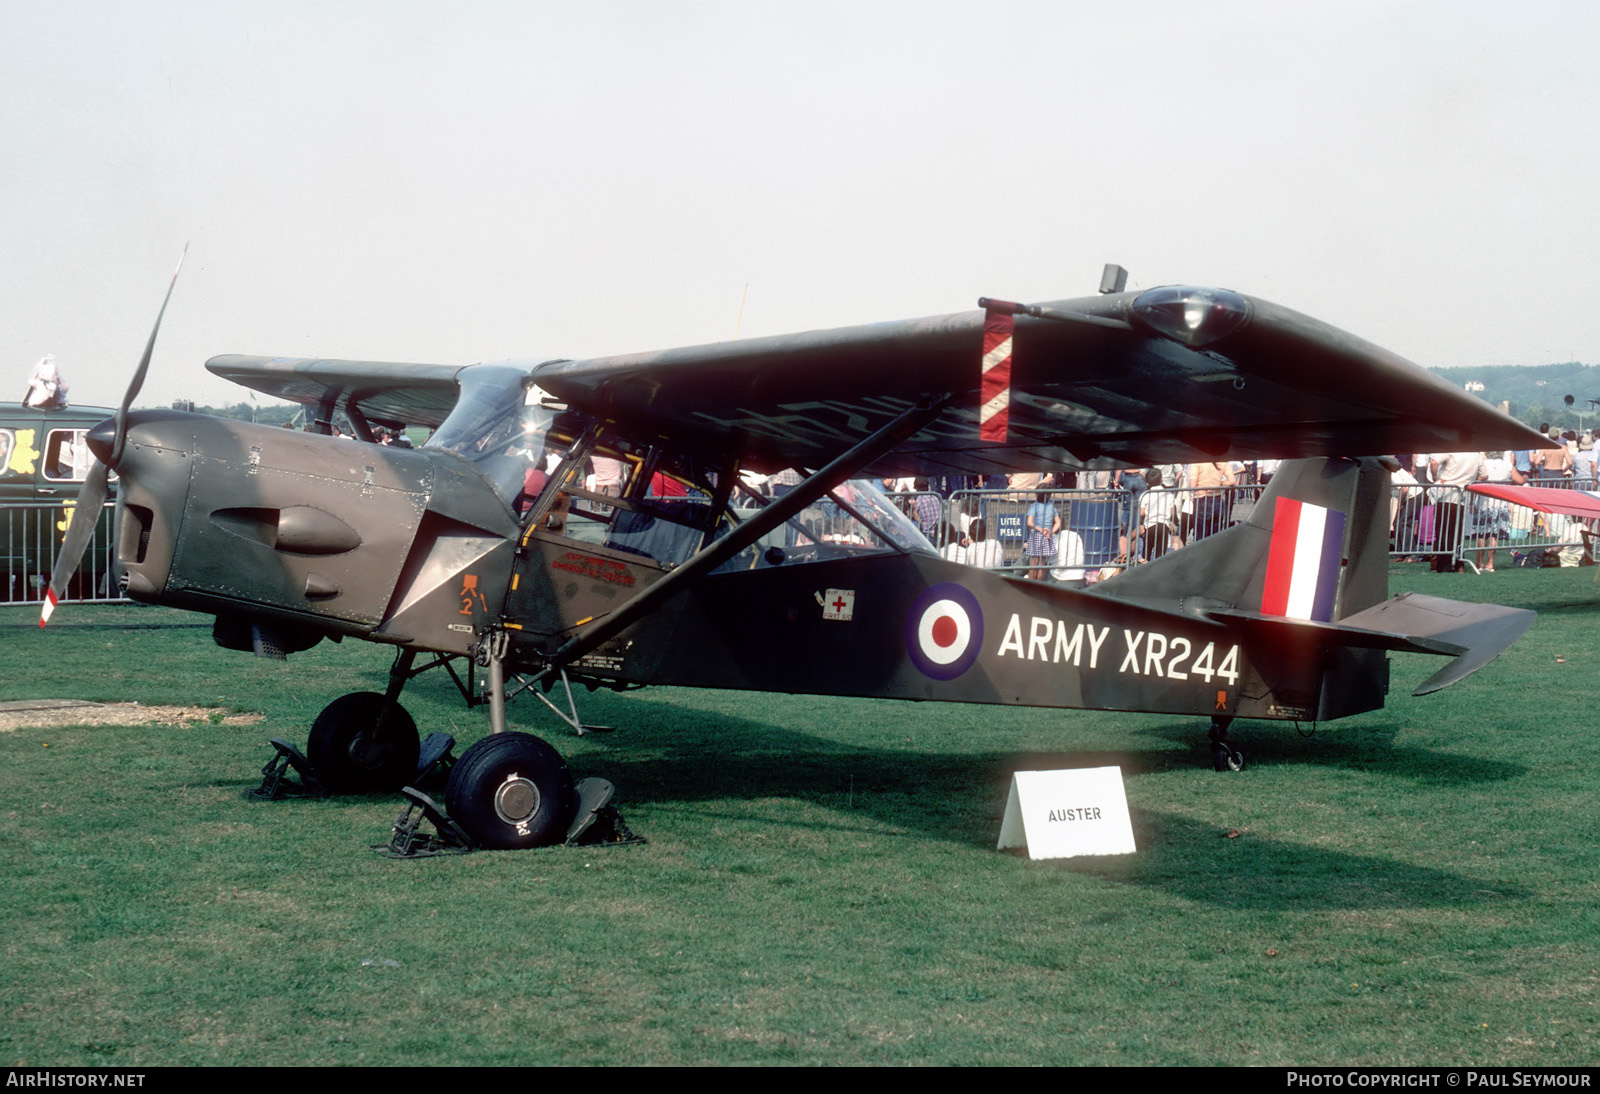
pixel 1119 379
pixel 1169 375
pixel 1584 504
pixel 381 391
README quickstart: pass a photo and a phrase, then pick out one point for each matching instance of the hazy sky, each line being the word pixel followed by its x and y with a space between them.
pixel 473 181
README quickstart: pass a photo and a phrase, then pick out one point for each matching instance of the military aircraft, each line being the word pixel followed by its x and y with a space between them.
pixel 485 543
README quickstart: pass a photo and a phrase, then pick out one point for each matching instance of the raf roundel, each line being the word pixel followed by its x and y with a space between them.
pixel 944 631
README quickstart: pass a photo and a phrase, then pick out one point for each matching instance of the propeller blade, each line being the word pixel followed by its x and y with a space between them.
pixel 144 367
pixel 85 515
pixel 92 498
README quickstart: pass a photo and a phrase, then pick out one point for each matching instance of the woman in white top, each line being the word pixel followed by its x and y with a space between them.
pixel 1158 518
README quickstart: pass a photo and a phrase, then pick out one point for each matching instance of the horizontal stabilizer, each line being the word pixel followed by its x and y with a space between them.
pixel 1472 634
pixel 1332 635
pixel 1483 630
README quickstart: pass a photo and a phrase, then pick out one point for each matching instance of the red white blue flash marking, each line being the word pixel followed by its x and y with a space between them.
pixel 1303 561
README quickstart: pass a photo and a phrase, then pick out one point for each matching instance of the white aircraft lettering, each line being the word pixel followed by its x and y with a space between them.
pixel 1068 650
pixel 1144 653
pixel 1130 659
pixel 1038 637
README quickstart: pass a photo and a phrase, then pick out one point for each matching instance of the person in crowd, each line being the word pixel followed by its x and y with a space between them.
pixel 1583 462
pixel 1134 482
pixel 981 550
pixel 1158 518
pixel 1043 522
pixel 1569 453
pixel 1212 484
pixel 955 545
pixel 608 475
pixel 1490 520
pixel 926 508
pixel 1406 498
pixel 46 388
pixel 1454 471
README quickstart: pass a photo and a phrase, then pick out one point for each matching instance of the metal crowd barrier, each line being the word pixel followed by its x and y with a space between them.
pixel 30 535
pixel 1427 523
pixel 1100 531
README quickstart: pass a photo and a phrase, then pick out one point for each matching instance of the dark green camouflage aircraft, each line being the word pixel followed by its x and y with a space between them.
pixel 485 544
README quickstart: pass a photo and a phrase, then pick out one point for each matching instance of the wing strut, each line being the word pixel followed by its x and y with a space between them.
pixel 708 558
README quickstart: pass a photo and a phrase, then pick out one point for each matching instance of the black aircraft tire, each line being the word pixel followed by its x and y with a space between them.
pixel 1224 758
pixel 362 743
pixel 511 791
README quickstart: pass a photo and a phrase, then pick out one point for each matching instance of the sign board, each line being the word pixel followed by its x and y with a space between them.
pixel 1062 814
pixel 1011 527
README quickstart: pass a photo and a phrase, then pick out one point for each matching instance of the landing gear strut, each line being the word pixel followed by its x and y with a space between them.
pixel 1224 757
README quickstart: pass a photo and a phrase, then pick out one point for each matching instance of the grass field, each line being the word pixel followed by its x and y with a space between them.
pixel 1420 885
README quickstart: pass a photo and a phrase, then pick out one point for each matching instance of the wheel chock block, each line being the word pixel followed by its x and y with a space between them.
pixel 593 795
pixel 597 821
pixel 409 841
pixel 274 785
pixel 434 760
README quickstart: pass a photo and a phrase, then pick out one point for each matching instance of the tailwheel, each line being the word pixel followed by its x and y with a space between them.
pixel 1224 757
pixel 363 743
pixel 511 791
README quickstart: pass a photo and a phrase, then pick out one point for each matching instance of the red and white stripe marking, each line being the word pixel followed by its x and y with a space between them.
pixel 994 413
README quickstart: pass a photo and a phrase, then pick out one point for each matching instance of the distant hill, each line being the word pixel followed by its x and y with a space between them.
pixel 1536 393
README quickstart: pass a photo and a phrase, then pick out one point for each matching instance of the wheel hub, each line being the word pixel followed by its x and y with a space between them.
pixel 368 750
pixel 516 800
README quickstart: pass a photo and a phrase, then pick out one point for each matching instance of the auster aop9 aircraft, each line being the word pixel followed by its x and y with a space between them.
pixel 467 547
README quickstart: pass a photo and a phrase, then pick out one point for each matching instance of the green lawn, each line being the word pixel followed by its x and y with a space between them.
pixel 1415 886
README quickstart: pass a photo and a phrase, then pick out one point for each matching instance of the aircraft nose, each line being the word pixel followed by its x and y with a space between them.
pixel 101 438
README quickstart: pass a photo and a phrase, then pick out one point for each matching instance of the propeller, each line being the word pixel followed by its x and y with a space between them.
pixel 92 497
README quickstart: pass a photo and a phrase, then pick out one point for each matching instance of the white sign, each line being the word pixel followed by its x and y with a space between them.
pixel 837 604
pixel 1061 814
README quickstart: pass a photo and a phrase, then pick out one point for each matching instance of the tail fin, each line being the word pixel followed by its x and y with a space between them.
pixel 1309 569
pixel 1315 546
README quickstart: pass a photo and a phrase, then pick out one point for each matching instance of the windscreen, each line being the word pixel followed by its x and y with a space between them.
pixel 495 426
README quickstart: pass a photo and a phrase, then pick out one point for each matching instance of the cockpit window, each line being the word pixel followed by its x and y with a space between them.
pixel 500 426
pixel 854 519
pixel 866 500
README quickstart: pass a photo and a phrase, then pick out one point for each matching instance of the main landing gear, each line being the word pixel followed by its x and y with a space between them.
pixel 363 743
pixel 511 791
pixel 508 791
pixel 1224 757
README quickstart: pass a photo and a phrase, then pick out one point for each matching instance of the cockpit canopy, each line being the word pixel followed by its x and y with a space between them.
pixel 547 465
